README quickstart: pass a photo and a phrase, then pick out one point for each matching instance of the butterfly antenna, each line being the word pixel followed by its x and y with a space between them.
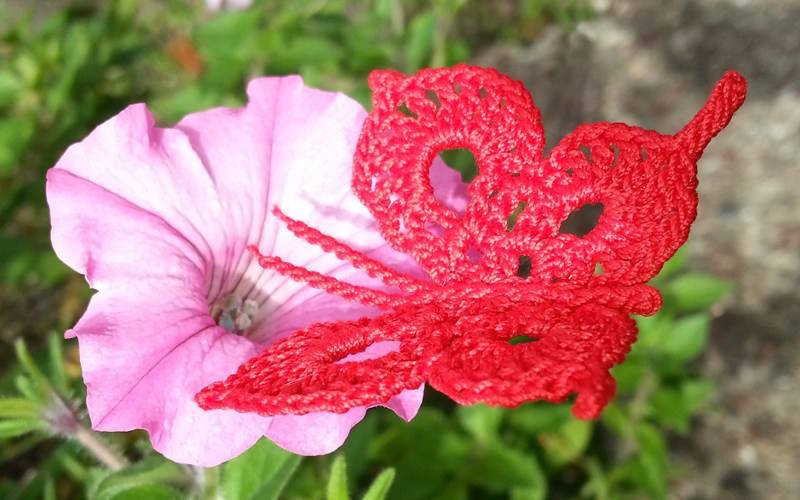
pixel 353 293
pixel 727 96
pixel 372 267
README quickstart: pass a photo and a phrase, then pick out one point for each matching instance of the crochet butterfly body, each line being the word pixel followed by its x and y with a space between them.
pixel 501 270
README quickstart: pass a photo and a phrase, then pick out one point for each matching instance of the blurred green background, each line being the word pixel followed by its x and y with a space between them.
pixel 67 66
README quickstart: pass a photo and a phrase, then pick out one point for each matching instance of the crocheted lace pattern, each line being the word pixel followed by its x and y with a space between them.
pixel 500 271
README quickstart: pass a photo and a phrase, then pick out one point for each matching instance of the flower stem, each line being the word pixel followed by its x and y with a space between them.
pixel 211 483
pixel 104 453
pixel 64 421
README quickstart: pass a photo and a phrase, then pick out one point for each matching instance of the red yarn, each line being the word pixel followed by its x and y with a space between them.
pixel 454 330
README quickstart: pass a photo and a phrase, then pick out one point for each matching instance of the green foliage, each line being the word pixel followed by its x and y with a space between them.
pixel 62 75
pixel 337 482
pixel 259 473
pixel 153 477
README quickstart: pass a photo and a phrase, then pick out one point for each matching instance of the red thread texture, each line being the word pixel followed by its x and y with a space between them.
pixel 502 270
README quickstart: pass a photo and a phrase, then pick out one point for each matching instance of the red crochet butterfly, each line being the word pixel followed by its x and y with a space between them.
pixel 453 331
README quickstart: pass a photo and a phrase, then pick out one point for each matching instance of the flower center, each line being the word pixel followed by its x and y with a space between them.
pixel 234 313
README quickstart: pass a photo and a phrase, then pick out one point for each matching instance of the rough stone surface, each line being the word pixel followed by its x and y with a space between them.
pixel 653 64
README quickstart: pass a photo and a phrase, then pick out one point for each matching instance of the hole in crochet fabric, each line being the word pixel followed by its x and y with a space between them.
pixel 403 108
pixel 525 266
pixel 435 229
pixel 570 172
pixel 376 180
pixel 615 148
pixel 587 152
pixel 482 93
pixel 511 221
pixel 462 161
pixel 644 154
pixel 401 226
pixel 457 88
pixel 374 351
pixel 583 220
pixel 598 269
pixel 502 102
pixel 434 98
pixel 474 255
pixel 521 339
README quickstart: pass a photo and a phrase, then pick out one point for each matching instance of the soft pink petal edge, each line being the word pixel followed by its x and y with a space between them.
pixel 323 432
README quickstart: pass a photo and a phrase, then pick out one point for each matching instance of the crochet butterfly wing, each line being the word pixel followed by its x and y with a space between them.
pixel 412 121
pixel 312 369
pixel 645 184
pixel 455 331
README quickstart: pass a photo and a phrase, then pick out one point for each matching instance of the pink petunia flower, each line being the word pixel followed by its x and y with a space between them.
pixel 158 219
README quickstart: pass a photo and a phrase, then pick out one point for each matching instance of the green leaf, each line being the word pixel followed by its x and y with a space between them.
pixel 35 385
pixel 19 407
pixel 15 136
pixel 13 428
pixel 450 7
pixel 567 443
pixel 56 359
pixel 28 389
pixel 50 489
pixel 666 407
pixel 481 421
pixel 535 493
pixel 11 85
pixel 686 338
pixel 148 491
pixel 628 374
pixel 144 478
pixel 356 447
pixel 616 418
pixel 337 482
pixel 259 473
pixel 500 467
pixel 597 485
pixel 25 359
pixel 653 460
pixel 226 44
pixel 534 418
pixel 419 47
pixel 307 52
pixel 695 393
pixel 380 486
pixel 694 292
pixel 425 452
pixel 675 264
pixel 462 160
pixel 189 99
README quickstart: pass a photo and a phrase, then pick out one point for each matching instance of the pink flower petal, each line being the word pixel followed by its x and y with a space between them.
pixel 158 220
pixel 292 133
pixel 147 341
